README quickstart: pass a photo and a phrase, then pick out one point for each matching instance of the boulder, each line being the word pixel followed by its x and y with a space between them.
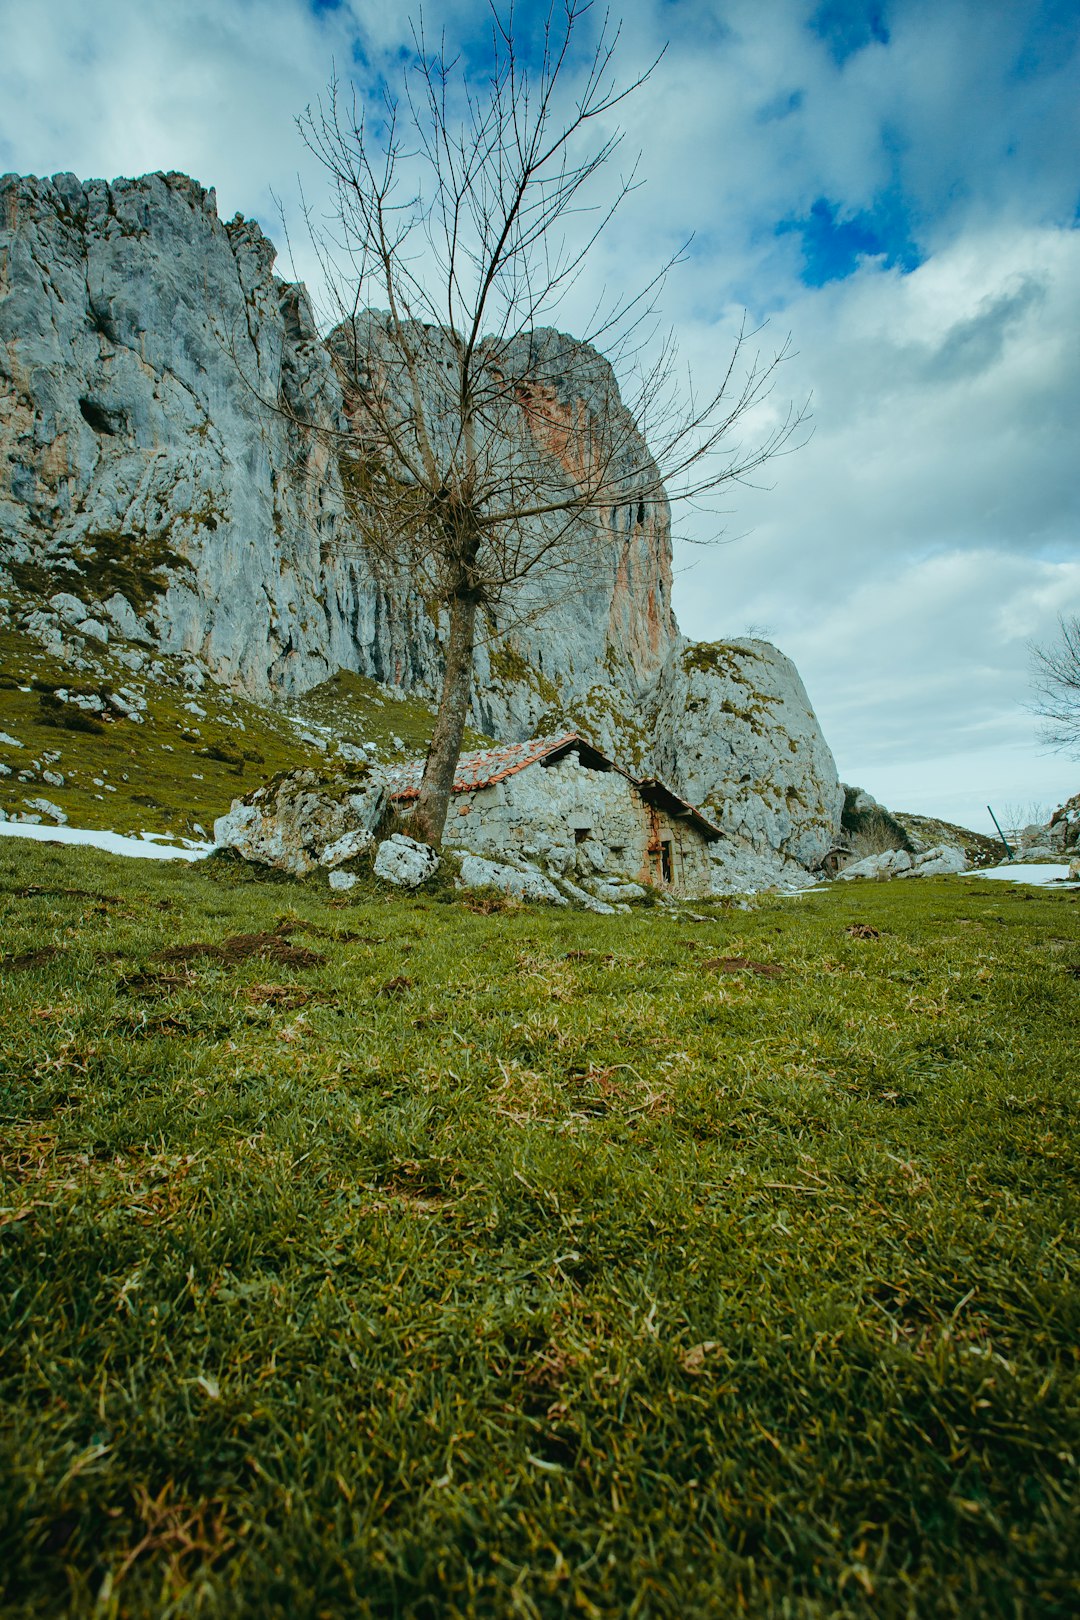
pixel 345 847
pixel 890 863
pixel 587 900
pixel 943 860
pixel 68 608
pixel 616 892
pixel 404 862
pixel 523 884
pixel 735 735
pixel 123 618
pixel 342 881
pixel 294 822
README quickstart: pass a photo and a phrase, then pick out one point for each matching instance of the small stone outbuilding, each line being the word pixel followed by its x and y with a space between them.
pixel 560 801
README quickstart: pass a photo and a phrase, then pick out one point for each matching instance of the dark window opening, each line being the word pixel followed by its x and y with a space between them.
pixel 666 867
pixel 581 833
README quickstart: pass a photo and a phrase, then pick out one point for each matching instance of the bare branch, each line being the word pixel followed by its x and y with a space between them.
pixel 1056 684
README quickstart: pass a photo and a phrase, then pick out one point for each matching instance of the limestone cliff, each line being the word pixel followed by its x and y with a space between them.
pixel 145 472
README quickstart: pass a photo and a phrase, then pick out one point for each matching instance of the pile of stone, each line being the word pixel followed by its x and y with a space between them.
pixel 943 860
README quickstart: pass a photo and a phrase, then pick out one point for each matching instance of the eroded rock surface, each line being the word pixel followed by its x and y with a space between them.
pixel 735 734
pixel 939 861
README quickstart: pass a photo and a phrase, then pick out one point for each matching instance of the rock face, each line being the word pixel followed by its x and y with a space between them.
pixel 735 734
pixel 1053 839
pixel 155 488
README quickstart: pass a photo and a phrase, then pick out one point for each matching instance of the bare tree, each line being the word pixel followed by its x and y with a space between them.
pixel 1056 681
pixel 461 220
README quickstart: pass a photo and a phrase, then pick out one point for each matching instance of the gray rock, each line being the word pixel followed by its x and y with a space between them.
pixel 584 898
pixel 94 628
pixel 345 847
pixel 736 736
pixel 68 608
pixel 47 808
pixel 404 862
pixel 942 860
pixel 527 884
pixel 9 742
pixel 890 863
pixel 124 619
pixel 53 778
pixel 616 892
pixel 342 881
pixel 292 822
pixel 737 868
pixel 123 705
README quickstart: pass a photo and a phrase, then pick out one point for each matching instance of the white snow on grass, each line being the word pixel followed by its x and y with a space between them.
pixel 147 846
pixel 1033 872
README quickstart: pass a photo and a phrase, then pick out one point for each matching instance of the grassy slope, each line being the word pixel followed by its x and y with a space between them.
pixel 527 1263
pixel 177 770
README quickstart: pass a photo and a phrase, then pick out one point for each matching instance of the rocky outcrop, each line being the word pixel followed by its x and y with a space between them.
pixel 300 821
pixel 943 860
pixel 735 734
pixel 521 883
pixel 1051 840
pixel 867 828
pixel 158 486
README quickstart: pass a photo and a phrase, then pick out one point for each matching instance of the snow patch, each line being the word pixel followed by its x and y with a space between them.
pixel 1036 872
pixel 148 846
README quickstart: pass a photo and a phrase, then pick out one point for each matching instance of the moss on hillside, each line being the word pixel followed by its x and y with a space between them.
pixel 174 770
pixel 717 658
pixel 360 710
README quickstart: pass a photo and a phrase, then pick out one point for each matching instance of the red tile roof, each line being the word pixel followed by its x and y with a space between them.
pixel 493 765
pixel 484 769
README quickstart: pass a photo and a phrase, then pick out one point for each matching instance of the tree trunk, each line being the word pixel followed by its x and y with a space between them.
pixel 429 817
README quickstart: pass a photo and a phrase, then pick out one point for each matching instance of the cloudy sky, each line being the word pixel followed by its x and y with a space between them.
pixel 895 183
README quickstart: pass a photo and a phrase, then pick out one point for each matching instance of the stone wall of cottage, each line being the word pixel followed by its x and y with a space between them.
pixel 577 820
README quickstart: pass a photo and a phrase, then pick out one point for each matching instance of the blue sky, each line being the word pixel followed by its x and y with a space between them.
pixel 894 182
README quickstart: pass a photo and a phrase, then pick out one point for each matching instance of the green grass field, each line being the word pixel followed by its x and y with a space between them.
pixel 401 1258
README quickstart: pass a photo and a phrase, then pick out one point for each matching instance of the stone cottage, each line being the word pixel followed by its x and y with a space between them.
pixel 559 800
